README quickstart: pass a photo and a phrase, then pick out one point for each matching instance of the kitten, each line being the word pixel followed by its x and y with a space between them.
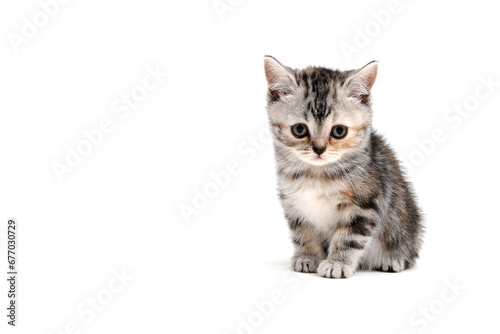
pixel 344 195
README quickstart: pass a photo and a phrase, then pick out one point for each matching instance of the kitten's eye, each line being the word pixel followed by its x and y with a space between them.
pixel 339 131
pixel 300 130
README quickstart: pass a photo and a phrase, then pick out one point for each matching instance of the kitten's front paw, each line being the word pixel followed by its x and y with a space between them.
pixel 335 269
pixel 393 266
pixel 304 264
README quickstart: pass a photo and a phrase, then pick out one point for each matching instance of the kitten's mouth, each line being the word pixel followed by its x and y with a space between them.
pixel 318 160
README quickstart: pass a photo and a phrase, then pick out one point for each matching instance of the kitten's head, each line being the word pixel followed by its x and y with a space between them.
pixel 319 115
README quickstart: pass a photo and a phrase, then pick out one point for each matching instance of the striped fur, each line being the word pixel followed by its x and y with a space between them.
pixel 350 207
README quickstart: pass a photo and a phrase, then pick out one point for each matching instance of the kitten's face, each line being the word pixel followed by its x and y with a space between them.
pixel 319 115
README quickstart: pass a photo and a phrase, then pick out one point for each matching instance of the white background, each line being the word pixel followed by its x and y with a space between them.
pixel 120 207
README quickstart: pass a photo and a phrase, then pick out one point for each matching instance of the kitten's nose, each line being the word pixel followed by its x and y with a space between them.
pixel 319 150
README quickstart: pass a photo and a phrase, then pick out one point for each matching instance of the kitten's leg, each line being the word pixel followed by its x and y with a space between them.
pixel 347 246
pixel 400 252
pixel 308 249
pixel 400 245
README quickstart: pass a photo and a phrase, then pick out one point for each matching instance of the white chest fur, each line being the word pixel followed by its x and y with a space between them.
pixel 316 201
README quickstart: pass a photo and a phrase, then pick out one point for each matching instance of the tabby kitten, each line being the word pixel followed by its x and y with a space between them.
pixel 345 198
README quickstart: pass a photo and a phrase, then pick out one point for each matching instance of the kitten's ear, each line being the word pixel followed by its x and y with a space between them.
pixel 361 82
pixel 279 80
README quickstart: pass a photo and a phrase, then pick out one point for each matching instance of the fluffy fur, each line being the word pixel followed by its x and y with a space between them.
pixel 347 203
